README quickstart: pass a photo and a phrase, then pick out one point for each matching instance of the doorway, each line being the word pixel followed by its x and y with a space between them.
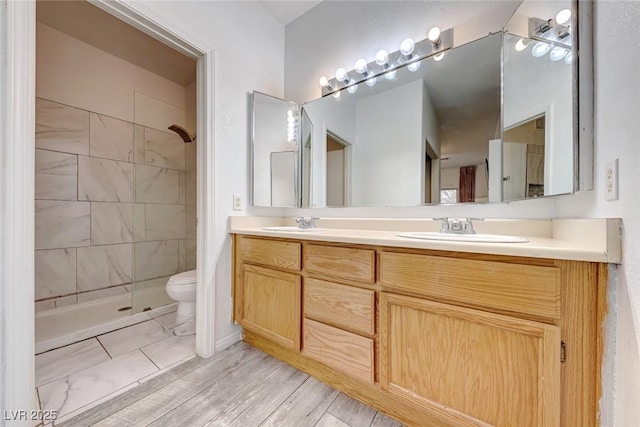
pixel 337 171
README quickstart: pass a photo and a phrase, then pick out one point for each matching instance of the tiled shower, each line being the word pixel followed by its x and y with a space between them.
pixel 115 209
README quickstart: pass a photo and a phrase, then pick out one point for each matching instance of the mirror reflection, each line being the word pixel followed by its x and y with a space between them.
pixel 538 149
pixel 489 121
pixel 275 147
pixel 418 136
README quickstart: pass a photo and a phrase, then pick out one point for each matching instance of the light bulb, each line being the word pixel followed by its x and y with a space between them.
pixel 563 17
pixel 371 82
pixel 336 94
pixel 341 74
pixel 382 57
pixel 540 49
pixel 557 53
pixel 521 45
pixel 352 89
pixel 569 58
pixel 361 66
pixel 434 35
pixel 323 81
pixel 414 66
pixel 438 56
pixel 406 47
pixel 390 75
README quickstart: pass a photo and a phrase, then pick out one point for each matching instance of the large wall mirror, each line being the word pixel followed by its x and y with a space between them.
pixel 491 120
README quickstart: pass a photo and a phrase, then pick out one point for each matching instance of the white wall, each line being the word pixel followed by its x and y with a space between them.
pixel 74 73
pixel 336 34
pixel 389 167
pixel 249 55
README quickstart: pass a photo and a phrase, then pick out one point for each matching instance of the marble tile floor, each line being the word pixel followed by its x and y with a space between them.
pixel 76 377
pixel 241 386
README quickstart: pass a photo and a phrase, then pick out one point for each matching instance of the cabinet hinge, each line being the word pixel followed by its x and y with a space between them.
pixel 563 352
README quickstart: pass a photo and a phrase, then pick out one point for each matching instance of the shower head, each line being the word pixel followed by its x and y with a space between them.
pixel 182 132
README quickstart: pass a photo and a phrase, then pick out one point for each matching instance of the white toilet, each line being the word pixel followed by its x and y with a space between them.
pixel 182 288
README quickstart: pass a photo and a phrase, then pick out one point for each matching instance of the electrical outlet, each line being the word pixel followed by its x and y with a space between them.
pixel 237 202
pixel 611 180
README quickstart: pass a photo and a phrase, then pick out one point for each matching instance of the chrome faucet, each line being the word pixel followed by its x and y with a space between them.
pixel 306 221
pixel 457 226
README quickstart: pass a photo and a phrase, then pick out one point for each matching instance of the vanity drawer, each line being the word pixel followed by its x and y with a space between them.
pixel 339 305
pixel 274 253
pixel 528 289
pixel 339 349
pixel 346 263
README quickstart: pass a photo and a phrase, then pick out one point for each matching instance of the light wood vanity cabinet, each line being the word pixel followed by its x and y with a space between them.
pixel 430 337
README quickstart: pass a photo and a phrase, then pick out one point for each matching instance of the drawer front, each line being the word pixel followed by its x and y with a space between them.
pixel 339 349
pixel 339 305
pixel 272 253
pixel 527 289
pixel 346 263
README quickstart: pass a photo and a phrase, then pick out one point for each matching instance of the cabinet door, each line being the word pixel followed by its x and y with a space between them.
pixel 470 367
pixel 271 305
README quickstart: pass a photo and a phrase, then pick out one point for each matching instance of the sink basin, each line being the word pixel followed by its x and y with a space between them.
pixel 480 238
pixel 291 228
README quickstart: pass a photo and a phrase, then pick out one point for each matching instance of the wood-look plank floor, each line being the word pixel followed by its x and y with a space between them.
pixel 240 386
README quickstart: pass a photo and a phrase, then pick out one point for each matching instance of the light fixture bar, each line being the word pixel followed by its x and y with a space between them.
pixel 422 49
pixel 548 31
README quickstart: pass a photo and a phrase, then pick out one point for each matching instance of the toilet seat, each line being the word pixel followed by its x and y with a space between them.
pixel 184 278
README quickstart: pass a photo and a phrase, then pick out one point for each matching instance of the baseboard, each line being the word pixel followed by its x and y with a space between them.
pixel 224 343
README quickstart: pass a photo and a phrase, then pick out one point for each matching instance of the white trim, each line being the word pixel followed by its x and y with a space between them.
pixel 17 178
pixel 144 19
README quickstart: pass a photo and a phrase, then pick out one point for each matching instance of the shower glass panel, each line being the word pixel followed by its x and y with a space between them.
pixel 164 225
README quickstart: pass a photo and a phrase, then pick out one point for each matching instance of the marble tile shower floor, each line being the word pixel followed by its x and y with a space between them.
pixel 76 377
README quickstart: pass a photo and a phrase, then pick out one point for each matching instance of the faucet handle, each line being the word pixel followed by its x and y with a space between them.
pixel 468 224
pixel 445 223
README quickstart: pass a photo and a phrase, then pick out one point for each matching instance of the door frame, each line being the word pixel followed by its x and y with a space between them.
pixel 17 178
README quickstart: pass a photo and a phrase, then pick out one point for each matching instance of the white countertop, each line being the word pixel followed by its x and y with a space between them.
pixel 595 240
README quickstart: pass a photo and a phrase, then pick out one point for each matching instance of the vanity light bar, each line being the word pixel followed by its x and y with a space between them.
pixel 369 72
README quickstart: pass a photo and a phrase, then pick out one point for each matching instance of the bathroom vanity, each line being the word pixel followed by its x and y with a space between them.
pixel 434 333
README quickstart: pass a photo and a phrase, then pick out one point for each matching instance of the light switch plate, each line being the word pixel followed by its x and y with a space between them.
pixel 237 202
pixel 611 180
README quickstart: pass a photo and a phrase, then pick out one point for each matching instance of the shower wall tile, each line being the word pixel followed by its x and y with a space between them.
pixel 182 255
pixel 103 266
pixel 60 224
pixel 157 185
pixel 111 223
pixel 190 254
pixel 138 144
pixel 110 138
pixel 104 293
pixel 55 273
pixel 56 175
pixel 139 222
pixel 155 259
pixel 191 221
pixel 191 188
pixel 165 222
pixel 183 188
pixel 61 128
pixel 190 155
pixel 102 180
pixel 164 149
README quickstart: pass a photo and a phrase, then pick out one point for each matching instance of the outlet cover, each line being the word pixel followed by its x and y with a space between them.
pixel 237 202
pixel 611 180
